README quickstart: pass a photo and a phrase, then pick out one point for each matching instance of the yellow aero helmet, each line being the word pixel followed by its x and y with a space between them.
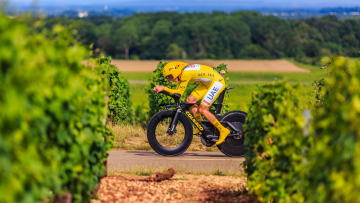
pixel 173 69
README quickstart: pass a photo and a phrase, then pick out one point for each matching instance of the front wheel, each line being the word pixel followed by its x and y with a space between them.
pixel 161 141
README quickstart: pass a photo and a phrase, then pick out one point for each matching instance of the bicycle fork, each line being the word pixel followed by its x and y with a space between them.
pixel 172 127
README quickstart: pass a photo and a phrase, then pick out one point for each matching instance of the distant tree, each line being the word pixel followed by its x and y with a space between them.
pixel 254 51
pixel 216 35
pixel 335 49
pixel 201 32
pixel 304 32
pixel 328 26
pixel 350 41
pixel 106 45
pixel 85 31
pixel 160 38
pixel 127 36
pixel 237 34
pixel 273 34
pixel 311 48
pixel 175 52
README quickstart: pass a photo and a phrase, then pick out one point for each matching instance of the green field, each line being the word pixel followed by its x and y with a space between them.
pixel 251 76
pixel 240 97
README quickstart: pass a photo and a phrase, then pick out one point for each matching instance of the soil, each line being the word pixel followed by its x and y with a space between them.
pixel 232 65
pixel 180 188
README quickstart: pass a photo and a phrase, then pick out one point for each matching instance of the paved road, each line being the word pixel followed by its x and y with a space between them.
pixel 188 161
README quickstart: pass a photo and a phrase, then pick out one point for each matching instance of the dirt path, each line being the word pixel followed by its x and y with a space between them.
pixel 232 65
pixel 180 188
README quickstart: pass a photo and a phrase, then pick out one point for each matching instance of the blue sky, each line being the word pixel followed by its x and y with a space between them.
pixel 237 3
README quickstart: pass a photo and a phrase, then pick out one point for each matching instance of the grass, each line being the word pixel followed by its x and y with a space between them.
pixel 148 170
pixel 142 173
pixel 252 76
pixel 130 137
pixel 133 137
pixel 271 76
pixel 240 97
pixel 137 75
pixel 138 95
pixel 218 172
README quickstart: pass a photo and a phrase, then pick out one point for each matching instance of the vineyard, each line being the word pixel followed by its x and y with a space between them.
pixel 59 118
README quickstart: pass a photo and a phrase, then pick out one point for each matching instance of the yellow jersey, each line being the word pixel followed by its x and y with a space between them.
pixel 195 73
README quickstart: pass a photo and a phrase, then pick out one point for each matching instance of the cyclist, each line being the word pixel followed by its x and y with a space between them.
pixel 212 85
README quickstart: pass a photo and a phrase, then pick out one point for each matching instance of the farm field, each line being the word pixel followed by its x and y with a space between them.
pixel 232 65
pixel 239 97
pixel 244 83
pixel 313 73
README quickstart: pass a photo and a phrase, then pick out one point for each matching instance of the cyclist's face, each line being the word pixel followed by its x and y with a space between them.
pixel 175 79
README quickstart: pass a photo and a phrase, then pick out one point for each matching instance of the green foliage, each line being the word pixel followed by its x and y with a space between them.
pixel 333 163
pixel 311 48
pixel 119 103
pixel 158 79
pixel 156 99
pixel 52 135
pixel 225 106
pixel 275 143
pixel 175 52
pixel 141 115
pixel 242 35
pixel 254 51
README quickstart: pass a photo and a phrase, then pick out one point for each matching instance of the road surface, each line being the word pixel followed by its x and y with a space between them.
pixel 186 162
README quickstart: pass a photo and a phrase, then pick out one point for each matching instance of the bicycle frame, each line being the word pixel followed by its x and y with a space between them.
pixel 184 107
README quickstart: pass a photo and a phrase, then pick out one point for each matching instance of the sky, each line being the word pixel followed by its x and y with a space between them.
pixel 314 4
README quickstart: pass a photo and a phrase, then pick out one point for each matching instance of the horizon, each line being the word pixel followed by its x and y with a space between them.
pixel 172 5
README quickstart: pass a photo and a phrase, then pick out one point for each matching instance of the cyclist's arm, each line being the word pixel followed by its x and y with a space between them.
pixel 180 89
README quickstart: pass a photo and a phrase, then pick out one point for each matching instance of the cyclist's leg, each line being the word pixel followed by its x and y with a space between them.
pixel 198 93
pixel 213 93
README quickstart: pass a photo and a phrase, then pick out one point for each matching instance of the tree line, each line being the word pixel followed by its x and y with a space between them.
pixel 217 35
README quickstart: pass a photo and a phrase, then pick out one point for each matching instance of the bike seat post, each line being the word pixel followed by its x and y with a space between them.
pixel 218 106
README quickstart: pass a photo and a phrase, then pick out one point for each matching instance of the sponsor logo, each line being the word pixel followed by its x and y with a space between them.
pixel 213 92
pixel 206 102
pixel 183 80
pixel 182 87
pixel 211 75
pixel 192 67
pixel 194 121
pixel 196 92
pixel 201 74
pixel 221 80
pixel 170 68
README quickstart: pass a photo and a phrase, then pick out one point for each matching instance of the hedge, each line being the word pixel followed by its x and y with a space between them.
pixel 52 135
pixel 333 169
pixel 286 162
pixel 275 144
pixel 119 103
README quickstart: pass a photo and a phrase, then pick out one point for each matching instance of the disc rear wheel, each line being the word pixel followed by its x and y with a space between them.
pixel 233 146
